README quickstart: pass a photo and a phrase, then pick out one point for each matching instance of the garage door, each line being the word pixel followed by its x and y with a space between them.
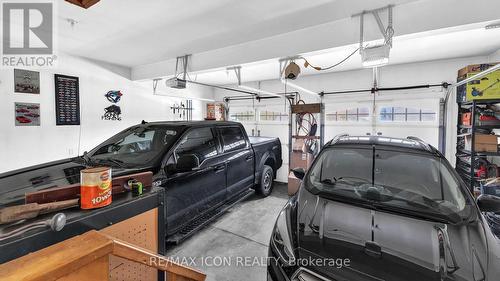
pixel 394 115
pixel 268 118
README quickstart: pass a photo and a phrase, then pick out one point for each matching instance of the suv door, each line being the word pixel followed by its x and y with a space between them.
pixel 191 193
pixel 240 159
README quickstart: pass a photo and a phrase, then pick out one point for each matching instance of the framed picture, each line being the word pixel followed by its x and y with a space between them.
pixel 67 100
pixel 26 81
pixel 27 114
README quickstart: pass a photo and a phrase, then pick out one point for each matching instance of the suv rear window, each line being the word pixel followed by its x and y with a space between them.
pixel 415 182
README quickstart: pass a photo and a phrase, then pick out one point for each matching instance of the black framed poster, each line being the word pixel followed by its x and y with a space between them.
pixel 67 100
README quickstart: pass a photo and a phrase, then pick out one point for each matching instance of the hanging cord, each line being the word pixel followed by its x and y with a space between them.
pixel 318 68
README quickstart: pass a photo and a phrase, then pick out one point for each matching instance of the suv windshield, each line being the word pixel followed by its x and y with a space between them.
pixel 137 146
pixel 417 183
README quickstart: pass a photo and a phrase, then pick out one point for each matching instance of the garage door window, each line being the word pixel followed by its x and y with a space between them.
pixel 242 116
pixel 199 142
pixel 360 114
pixel 268 115
pixel 406 114
pixel 232 138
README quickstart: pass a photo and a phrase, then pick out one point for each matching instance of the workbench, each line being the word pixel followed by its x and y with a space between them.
pixel 139 220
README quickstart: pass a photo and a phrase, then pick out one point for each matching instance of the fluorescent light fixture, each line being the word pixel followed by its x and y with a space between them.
pixel 297 87
pixel 375 56
pixel 258 91
pixel 493 25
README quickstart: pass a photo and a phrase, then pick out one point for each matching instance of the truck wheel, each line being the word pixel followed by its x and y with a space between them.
pixel 266 181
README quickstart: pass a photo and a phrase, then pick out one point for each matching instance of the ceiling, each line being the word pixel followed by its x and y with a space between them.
pixel 132 33
pixel 466 41
pixel 147 36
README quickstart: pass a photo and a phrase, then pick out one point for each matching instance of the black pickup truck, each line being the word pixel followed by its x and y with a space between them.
pixel 204 167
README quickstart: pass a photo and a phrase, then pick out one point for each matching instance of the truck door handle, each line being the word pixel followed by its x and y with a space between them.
pixel 373 249
pixel 248 158
pixel 219 168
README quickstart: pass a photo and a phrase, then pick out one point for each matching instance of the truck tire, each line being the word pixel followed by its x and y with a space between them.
pixel 265 187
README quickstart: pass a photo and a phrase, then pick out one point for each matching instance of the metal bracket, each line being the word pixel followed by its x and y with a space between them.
pixel 183 60
pixel 155 84
pixel 237 71
pixel 388 32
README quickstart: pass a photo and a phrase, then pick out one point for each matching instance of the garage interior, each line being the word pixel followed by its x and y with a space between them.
pixel 304 72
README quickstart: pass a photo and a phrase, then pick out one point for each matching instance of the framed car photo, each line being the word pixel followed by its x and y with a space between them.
pixel 27 114
pixel 26 81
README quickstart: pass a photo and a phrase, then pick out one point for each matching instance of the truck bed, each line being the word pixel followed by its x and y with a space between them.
pixel 259 140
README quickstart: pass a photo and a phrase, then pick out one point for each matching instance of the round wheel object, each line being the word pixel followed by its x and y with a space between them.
pixel 266 181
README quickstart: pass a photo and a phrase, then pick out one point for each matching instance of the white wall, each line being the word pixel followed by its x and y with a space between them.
pixel 24 146
pixel 495 57
pixel 432 72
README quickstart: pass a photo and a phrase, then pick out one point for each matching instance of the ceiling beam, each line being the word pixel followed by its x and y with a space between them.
pixel 409 18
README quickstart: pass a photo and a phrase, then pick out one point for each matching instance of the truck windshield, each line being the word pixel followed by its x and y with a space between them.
pixel 403 181
pixel 137 146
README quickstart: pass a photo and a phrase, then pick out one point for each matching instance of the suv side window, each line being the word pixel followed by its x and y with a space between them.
pixel 200 142
pixel 232 138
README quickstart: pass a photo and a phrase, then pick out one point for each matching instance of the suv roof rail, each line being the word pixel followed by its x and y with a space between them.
pixel 415 139
pixel 337 137
pixel 428 146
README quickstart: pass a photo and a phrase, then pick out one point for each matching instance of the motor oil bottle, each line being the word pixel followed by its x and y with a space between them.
pixel 95 187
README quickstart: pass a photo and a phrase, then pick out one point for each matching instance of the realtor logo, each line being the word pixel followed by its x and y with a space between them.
pixel 28 34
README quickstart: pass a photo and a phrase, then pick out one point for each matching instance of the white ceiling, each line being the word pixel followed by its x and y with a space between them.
pixel 467 41
pixel 148 35
pixel 132 32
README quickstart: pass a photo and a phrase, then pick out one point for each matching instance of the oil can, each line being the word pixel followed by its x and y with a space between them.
pixel 95 187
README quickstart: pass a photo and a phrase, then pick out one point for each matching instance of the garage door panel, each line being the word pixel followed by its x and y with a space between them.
pixel 280 131
pixel 428 134
pixel 352 129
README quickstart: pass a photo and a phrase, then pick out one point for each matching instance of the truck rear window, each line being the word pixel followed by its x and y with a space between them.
pixel 232 138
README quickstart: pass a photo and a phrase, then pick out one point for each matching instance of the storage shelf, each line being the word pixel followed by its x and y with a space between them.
pixel 468 173
pixel 489 101
pixel 478 153
pixel 479 126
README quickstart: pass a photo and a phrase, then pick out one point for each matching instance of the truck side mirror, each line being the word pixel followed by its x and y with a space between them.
pixel 488 203
pixel 187 163
pixel 299 173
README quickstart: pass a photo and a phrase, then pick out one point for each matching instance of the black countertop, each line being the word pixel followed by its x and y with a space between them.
pixel 79 221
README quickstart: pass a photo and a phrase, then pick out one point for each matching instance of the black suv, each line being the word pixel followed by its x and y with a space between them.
pixel 379 208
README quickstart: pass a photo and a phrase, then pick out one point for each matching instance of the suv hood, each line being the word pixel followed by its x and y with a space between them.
pixel 381 245
pixel 15 184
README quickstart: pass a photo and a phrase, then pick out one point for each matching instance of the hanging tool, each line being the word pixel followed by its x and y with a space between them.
pixel 33 210
pixel 56 223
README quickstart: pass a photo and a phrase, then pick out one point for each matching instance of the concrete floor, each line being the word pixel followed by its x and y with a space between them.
pixel 231 248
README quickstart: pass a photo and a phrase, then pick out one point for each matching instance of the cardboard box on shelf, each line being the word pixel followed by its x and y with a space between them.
pixel 475 68
pixel 483 143
pixel 216 111
pixel 486 87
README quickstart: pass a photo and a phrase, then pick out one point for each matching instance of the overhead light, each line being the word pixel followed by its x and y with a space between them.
pixel 493 26
pixel 258 91
pixel 375 56
pixel 295 86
